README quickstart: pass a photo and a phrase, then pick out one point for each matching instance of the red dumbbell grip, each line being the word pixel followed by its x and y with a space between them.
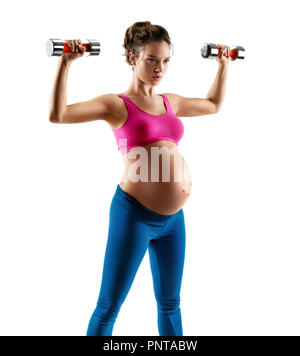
pixel 233 53
pixel 67 49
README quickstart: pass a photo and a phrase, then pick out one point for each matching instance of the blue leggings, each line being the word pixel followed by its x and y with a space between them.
pixel 133 228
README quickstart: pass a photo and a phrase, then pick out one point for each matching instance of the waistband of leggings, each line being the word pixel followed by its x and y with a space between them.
pixel 125 196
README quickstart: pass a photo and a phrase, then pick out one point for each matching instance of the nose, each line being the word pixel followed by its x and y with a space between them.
pixel 158 69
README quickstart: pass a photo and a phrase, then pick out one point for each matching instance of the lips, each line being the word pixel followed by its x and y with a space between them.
pixel 157 77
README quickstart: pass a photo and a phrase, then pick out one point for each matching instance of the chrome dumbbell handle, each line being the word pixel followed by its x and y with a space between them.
pixel 211 51
pixel 56 47
pixel 240 52
pixel 94 47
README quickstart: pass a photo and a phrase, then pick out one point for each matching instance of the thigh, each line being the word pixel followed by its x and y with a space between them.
pixel 126 246
pixel 167 255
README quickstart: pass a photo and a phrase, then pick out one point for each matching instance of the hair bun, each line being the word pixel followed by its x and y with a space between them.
pixel 139 34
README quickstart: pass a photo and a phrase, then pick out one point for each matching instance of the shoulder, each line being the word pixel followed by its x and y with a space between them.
pixel 116 110
pixel 173 100
pixel 110 99
pixel 183 106
pixel 113 100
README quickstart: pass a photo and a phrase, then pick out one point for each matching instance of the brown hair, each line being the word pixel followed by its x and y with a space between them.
pixel 141 33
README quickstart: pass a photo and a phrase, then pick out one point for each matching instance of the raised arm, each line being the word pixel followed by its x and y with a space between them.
pixel 94 109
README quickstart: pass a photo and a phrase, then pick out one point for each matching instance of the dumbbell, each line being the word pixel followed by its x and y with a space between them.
pixel 211 51
pixel 56 47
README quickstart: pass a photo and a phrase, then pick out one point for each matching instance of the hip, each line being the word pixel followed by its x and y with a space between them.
pixel 165 198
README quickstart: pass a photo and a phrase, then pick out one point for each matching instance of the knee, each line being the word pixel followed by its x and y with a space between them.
pixel 167 306
pixel 107 310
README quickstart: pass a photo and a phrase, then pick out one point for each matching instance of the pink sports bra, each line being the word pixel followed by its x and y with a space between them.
pixel 142 128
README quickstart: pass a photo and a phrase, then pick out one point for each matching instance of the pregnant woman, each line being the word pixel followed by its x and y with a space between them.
pixel 146 210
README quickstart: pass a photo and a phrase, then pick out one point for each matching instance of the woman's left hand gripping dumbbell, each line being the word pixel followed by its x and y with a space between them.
pixel 77 50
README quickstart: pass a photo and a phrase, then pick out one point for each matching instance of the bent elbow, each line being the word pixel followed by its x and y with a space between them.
pixel 216 109
pixel 54 120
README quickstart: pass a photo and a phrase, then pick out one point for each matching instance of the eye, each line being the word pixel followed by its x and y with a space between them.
pixel 167 60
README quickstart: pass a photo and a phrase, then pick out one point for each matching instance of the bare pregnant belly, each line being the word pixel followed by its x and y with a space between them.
pixel 157 176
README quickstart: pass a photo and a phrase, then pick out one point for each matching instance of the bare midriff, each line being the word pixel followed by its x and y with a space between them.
pixel 161 181
pixel 162 186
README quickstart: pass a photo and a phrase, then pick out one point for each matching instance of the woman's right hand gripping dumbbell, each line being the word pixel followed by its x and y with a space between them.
pixel 77 50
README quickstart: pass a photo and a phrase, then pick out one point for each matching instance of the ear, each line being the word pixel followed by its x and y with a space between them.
pixel 132 58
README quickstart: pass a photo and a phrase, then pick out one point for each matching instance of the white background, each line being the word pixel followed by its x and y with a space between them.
pixel 241 274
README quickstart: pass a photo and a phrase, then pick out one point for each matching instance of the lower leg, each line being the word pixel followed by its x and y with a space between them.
pixel 102 320
pixel 169 322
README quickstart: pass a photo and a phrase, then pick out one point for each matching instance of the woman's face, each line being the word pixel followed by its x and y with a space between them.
pixel 153 61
